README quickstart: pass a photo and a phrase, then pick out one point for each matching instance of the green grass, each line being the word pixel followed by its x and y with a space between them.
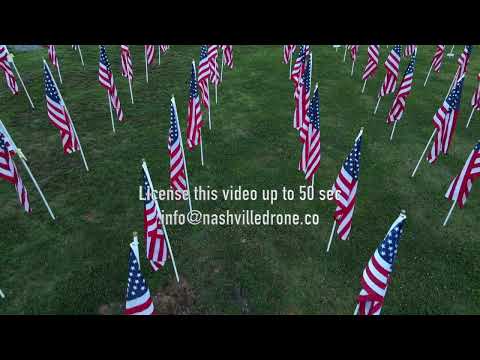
pixel 77 263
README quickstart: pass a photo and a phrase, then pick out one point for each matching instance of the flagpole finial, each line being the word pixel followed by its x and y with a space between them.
pixel 403 212
pixel 135 234
pixel 143 160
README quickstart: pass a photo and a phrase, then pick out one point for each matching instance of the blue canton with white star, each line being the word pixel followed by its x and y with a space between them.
pixel 477 147
pixel 314 111
pixel 103 58
pixel 173 125
pixel 389 246
pixel 50 89
pixel 3 143
pixel 307 76
pixel 411 65
pixel 193 85
pixel 453 99
pixel 137 285
pixel 352 162
pixel 398 49
pixel 203 52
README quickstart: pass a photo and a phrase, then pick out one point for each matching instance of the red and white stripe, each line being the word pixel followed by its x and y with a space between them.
pixel 288 51
pixel 445 121
pixel 398 106
pixel 105 77
pixel 194 122
pixel 212 60
pixel 299 66
pixel 9 172
pixel 126 60
pixel 156 245
pixel 462 184
pixel 52 55
pixel 203 77
pixel 164 48
pixel 409 50
pixel 372 63
pixel 150 53
pixel 58 115
pixel 438 58
pixel 346 199
pixel 353 52
pixel 228 55
pixel 476 96
pixel 392 64
pixel 7 69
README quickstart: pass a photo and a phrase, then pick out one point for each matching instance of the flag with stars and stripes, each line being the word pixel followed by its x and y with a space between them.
pixel 52 55
pixel 7 70
pixel 194 114
pixel 353 52
pixel 476 95
pixel 212 61
pixel 9 172
pixel 156 245
pixel 175 151
pixel 139 300
pixel 313 153
pixel 105 76
pixel 299 66
pixel 398 106
pixel 164 48
pixel 204 76
pixel 346 184
pixel 149 53
pixel 462 184
pixel 463 61
pixel 372 63
pixel 302 103
pixel 288 51
pixel 58 114
pixel 438 58
pixel 126 60
pixel 377 274
pixel 392 64
pixel 445 121
pixel 228 55
pixel 409 50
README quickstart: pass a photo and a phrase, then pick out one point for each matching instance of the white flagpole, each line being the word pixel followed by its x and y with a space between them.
pixel 353 65
pixel 209 105
pixel 331 235
pixel 345 54
pixel 201 146
pixel 449 213
pixel 130 86
pixel 134 247
pixel 423 153
pixel 470 118
pixel 111 111
pixel 356 310
pixel 144 166
pixel 81 57
pixel 68 113
pixel 393 130
pixel 58 69
pixel 21 81
pixel 363 88
pixel 216 94
pixel 2 295
pixel 22 159
pixel 376 107
pixel 146 64
pixel 428 75
pixel 159 54
pixel 450 54
pixel 183 152
pixel 221 70
pixel 290 73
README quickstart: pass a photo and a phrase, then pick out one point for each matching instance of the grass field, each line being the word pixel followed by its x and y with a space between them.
pixel 79 262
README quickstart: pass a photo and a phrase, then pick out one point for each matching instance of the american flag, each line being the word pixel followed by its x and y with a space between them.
pixel 392 65
pixel 462 184
pixel 58 114
pixel 302 102
pixel 438 58
pixel 9 172
pixel 204 75
pixel 299 66
pixel 445 121
pixel 194 114
pixel 372 63
pixel 346 184
pixel 164 48
pixel 288 51
pixel 313 139
pixel 463 61
pixel 7 69
pixel 376 275
pixel 409 50
pixel 105 76
pixel 149 53
pixel 228 55
pixel 404 90
pixel 52 55
pixel 126 59
pixel 476 95
pixel 139 301
pixel 156 245
pixel 177 160
pixel 212 61
pixel 353 52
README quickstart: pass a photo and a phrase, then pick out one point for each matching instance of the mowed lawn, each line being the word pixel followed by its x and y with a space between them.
pixel 78 263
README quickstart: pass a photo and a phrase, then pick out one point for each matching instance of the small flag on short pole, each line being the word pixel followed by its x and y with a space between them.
pixel 392 64
pixel 372 64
